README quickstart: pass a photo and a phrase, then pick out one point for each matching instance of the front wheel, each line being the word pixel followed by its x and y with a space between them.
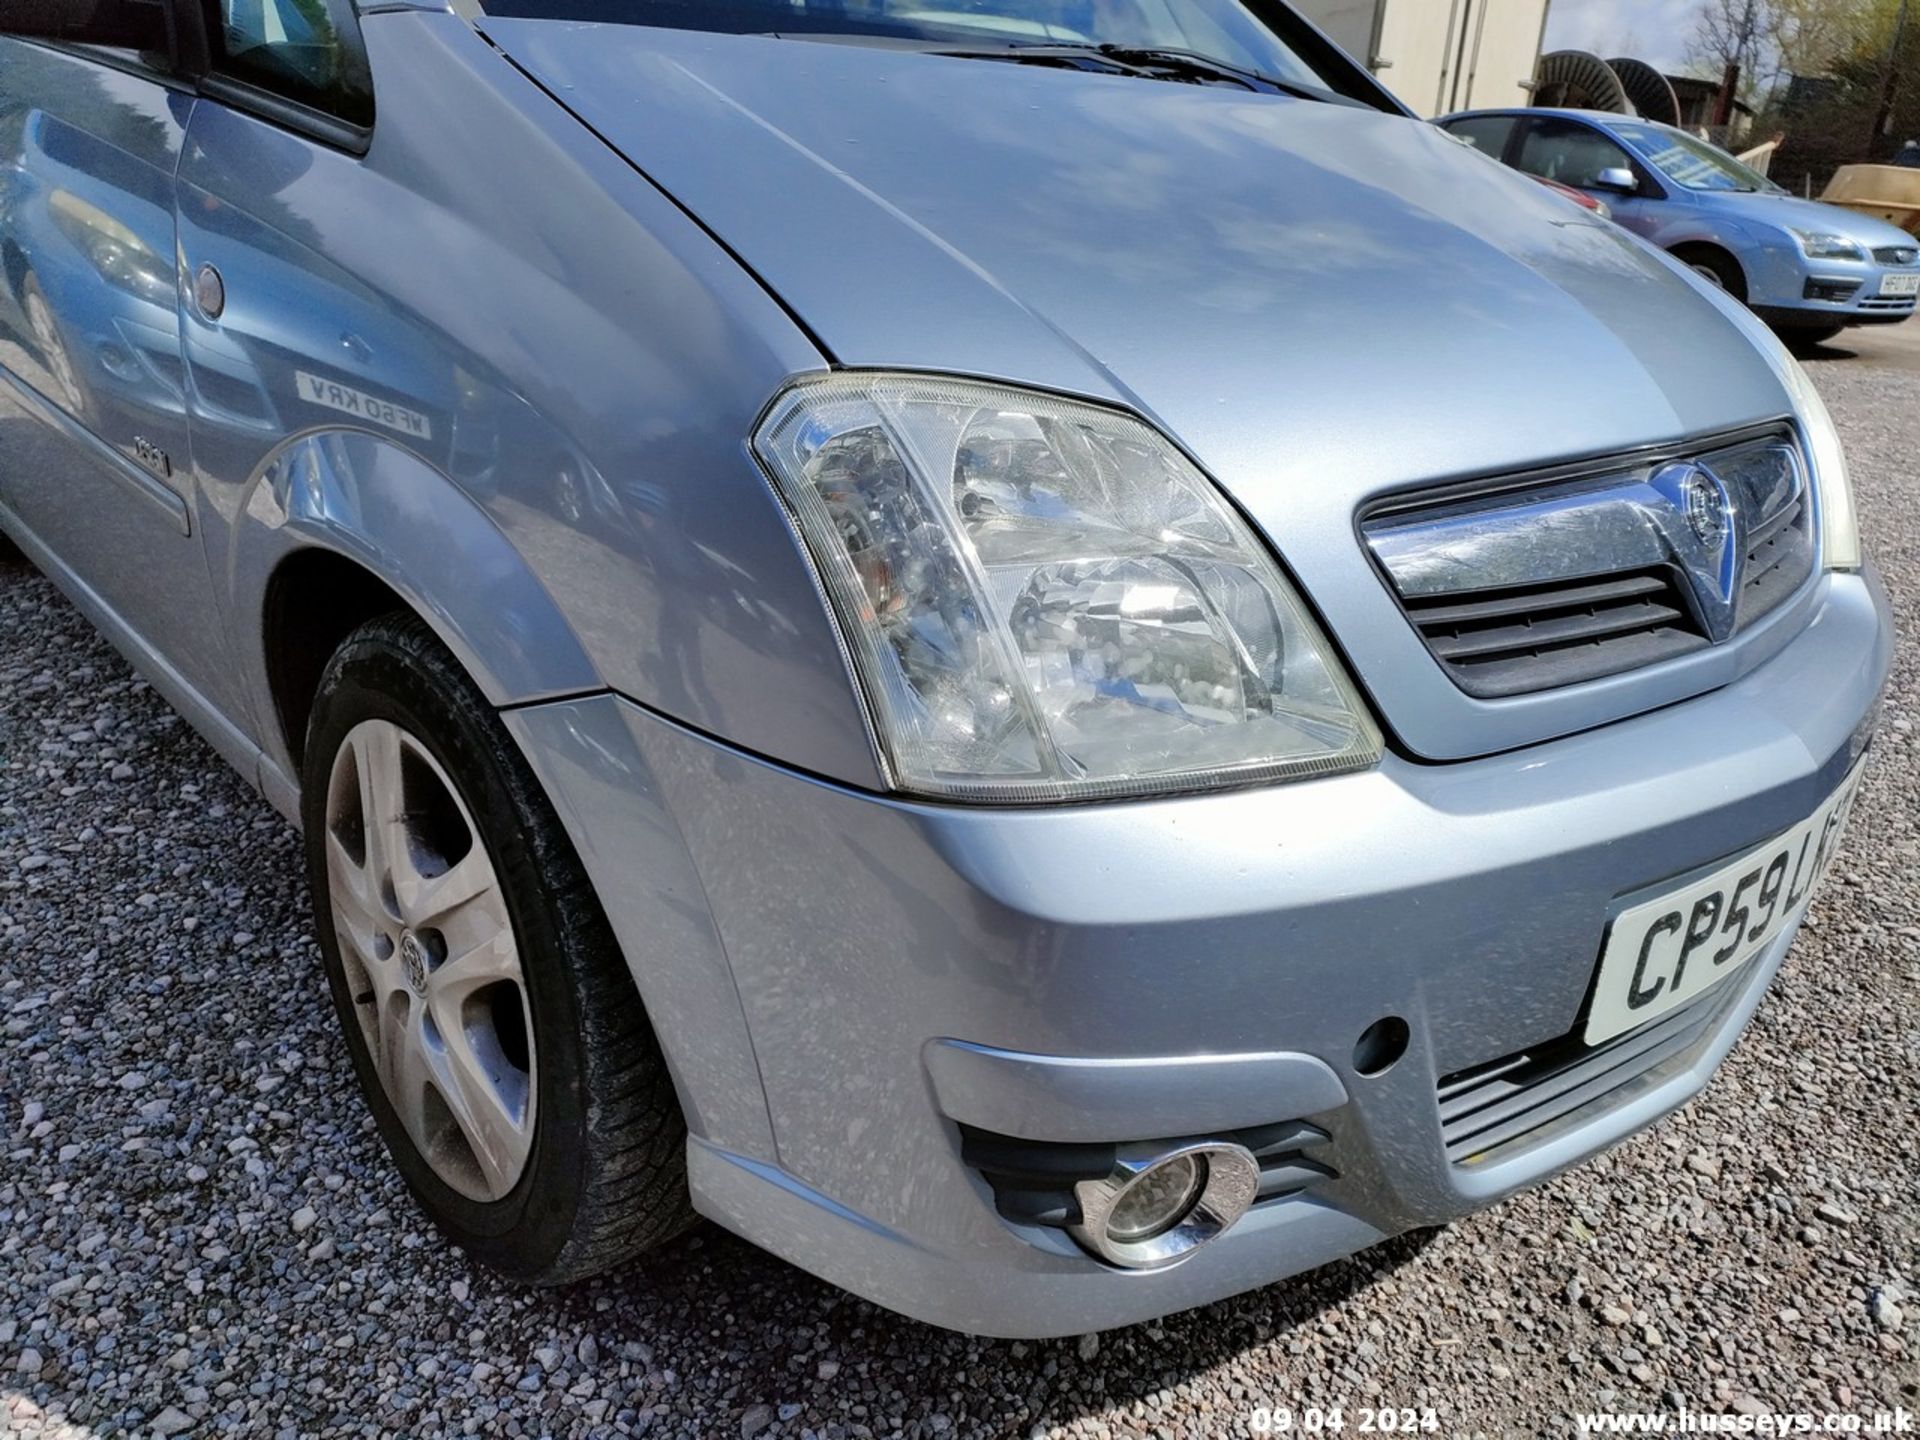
pixel 52 346
pixel 494 1028
pixel 1716 267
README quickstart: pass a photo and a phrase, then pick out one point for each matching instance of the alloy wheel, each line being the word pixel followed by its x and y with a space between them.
pixel 431 959
pixel 53 349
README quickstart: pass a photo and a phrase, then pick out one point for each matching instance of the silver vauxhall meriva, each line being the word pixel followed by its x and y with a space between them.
pixel 1040 654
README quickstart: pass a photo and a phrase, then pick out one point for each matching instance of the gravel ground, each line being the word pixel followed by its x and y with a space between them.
pixel 200 1233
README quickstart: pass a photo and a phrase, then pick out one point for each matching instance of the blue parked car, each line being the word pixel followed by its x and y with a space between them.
pixel 1043 655
pixel 1810 270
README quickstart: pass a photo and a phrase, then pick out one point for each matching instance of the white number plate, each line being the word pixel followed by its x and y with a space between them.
pixel 316 390
pixel 1667 951
pixel 1900 284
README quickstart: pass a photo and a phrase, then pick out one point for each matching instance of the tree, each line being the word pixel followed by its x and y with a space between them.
pixel 1737 35
pixel 1861 93
pixel 1810 36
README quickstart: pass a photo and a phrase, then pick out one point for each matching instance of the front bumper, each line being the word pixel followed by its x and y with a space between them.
pixel 1180 967
pixel 1829 292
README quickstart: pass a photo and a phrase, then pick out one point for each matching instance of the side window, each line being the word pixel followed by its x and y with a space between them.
pixel 1485 133
pixel 306 51
pixel 1572 153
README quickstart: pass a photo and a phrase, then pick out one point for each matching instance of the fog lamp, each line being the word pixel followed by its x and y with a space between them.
pixel 1157 1200
pixel 1159 1205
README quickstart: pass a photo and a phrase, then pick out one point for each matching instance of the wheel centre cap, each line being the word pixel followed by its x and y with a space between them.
pixel 413 955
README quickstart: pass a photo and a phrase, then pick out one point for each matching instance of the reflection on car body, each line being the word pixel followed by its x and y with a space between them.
pixel 1810 269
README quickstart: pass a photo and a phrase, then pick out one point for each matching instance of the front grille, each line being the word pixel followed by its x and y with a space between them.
pixel 1889 304
pixel 1598 570
pixel 1507 641
pixel 1505 1103
pixel 1778 554
pixel 1898 254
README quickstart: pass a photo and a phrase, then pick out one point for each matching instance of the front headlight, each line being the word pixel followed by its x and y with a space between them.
pixel 120 255
pixel 1839 530
pixel 1044 600
pixel 1819 245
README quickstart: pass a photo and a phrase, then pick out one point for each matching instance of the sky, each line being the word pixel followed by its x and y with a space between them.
pixel 1656 31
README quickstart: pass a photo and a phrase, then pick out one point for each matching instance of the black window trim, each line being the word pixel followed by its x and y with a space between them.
pixel 190 69
pixel 1516 120
pixel 1650 186
pixel 199 20
pixel 290 114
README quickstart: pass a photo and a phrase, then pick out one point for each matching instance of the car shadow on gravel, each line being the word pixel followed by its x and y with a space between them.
pixel 1822 351
pixel 783 1334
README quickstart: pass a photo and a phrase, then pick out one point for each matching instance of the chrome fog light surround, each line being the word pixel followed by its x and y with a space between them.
pixel 1160 1204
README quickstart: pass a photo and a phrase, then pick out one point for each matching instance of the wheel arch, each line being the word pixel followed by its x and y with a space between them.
pixel 1688 252
pixel 341 525
pixel 298 636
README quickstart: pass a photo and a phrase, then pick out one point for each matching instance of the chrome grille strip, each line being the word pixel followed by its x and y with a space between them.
pixel 1534 588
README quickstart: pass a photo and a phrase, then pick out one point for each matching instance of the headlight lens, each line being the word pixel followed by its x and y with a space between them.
pixel 1819 245
pixel 1045 600
pixel 120 255
pixel 1839 530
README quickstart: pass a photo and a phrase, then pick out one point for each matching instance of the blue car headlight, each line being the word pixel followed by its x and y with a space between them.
pixel 1820 245
pixel 1045 600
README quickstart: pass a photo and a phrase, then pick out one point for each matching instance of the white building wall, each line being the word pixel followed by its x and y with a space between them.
pixel 1348 22
pixel 1440 55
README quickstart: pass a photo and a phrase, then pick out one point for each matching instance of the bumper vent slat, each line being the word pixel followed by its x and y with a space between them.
pixel 1289 1178
pixel 1508 1100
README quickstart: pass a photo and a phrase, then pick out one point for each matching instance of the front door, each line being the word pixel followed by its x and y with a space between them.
pixel 93 416
pixel 1577 154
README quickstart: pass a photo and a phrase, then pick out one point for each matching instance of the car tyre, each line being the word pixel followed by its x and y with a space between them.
pixel 1717 267
pixel 492 1022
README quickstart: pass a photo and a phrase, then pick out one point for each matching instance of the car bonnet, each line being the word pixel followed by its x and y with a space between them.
pixel 1792 213
pixel 1320 303
pixel 1305 294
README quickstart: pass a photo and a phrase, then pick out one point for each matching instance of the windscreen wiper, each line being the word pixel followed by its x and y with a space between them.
pixel 1151 62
